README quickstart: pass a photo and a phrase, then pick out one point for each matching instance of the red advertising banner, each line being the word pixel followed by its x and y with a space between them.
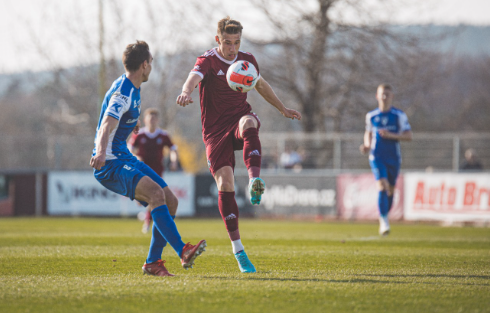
pixel 447 196
pixel 357 198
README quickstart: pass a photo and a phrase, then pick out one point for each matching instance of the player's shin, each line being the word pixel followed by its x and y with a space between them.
pixel 383 203
pixel 252 151
pixel 166 226
pixel 390 202
pixel 157 244
pixel 229 212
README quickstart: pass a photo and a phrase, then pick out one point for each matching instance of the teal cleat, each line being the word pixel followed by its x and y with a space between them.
pixel 244 263
pixel 256 188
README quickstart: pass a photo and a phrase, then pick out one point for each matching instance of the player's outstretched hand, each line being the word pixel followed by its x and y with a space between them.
pixel 97 161
pixel 363 149
pixel 184 99
pixel 292 114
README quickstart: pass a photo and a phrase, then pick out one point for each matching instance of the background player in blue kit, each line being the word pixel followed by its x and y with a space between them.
pixel 121 172
pixel 385 127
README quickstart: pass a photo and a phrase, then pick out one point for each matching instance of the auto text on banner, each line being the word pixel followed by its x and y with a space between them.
pixel 447 196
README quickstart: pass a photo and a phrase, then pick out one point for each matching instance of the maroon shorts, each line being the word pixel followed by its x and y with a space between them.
pixel 220 150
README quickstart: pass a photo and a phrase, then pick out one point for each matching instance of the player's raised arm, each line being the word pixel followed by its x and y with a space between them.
pixel 190 84
pixel 108 125
pixel 266 91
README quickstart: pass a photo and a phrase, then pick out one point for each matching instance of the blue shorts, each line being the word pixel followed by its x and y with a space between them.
pixel 122 177
pixel 385 170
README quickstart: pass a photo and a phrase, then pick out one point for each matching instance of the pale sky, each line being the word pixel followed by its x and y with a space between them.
pixel 70 27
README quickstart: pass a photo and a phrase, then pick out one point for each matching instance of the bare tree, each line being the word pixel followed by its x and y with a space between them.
pixel 327 64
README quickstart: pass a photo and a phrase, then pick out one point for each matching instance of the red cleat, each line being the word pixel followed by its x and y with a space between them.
pixel 190 253
pixel 156 268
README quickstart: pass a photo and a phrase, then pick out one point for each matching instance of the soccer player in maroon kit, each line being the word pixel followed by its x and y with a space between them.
pixel 148 147
pixel 229 124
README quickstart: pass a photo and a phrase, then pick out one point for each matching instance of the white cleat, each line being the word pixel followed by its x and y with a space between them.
pixel 384 226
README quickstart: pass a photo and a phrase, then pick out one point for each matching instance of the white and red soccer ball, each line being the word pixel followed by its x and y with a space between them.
pixel 242 76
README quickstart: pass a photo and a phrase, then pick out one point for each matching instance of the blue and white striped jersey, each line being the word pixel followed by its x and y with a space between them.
pixel 395 121
pixel 122 102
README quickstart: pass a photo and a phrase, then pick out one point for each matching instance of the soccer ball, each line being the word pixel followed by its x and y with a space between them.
pixel 242 76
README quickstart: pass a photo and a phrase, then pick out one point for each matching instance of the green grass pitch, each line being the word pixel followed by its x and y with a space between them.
pixel 94 265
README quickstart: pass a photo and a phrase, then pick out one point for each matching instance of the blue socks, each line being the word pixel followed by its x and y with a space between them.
pixel 390 202
pixel 156 245
pixel 164 230
pixel 383 203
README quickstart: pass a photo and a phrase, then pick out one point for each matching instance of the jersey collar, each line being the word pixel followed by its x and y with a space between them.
pixel 223 59
pixel 146 131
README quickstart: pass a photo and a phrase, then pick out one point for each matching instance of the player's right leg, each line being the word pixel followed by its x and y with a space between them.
pixel 229 212
pixel 248 128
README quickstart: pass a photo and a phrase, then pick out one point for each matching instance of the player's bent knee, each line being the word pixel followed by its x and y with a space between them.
pixel 172 202
pixel 157 197
pixel 247 122
pixel 382 185
pixel 226 186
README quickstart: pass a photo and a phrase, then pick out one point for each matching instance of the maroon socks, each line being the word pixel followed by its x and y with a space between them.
pixel 229 212
pixel 252 151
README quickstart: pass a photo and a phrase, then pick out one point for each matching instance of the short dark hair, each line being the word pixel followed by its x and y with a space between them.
pixel 135 54
pixel 385 86
pixel 151 111
pixel 229 26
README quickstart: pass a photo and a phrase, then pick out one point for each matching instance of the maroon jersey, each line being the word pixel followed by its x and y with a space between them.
pixel 150 147
pixel 220 105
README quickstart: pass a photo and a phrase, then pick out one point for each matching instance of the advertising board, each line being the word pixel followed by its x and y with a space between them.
pixel 447 196
pixel 78 193
pixel 357 197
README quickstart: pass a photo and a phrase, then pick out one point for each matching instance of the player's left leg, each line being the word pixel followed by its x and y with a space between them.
pixel 147 220
pixel 229 212
pixel 383 203
pixel 158 242
pixel 248 128
pixel 380 172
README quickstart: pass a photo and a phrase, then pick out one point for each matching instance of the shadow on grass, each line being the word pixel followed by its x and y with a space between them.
pixel 248 277
pixel 426 275
pixel 354 280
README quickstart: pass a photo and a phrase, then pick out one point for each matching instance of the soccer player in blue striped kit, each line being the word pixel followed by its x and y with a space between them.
pixel 385 127
pixel 121 172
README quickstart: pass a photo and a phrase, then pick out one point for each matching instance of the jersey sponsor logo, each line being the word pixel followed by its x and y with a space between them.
pixel 384 120
pixel 230 217
pixel 127 167
pixel 220 72
pixel 131 121
pixel 116 107
pixel 117 94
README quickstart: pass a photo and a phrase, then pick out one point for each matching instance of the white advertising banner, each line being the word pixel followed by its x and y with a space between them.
pixel 79 193
pixel 447 196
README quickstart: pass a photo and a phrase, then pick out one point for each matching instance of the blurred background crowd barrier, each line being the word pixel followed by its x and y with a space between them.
pixel 313 151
